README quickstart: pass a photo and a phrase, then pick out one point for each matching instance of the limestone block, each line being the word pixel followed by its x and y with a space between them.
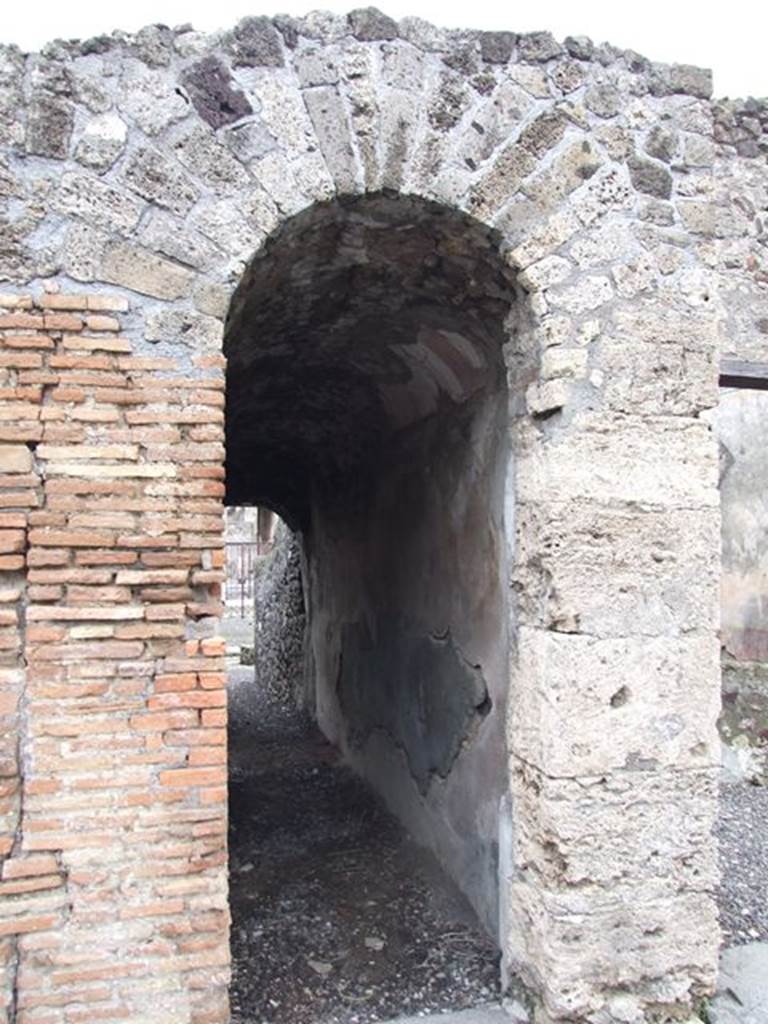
pixel 567 172
pixel 159 179
pixel 657 378
pixel 550 271
pixel 399 121
pixel 91 83
pixel 547 397
pixel 275 175
pixel 594 706
pixel 185 327
pixel 318 65
pixel 563 362
pixel 586 947
pixel 616 572
pixel 667 461
pixel 402 66
pixel 255 42
pixel 84 248
pixel 102 142
pixel 587 294
pixel 620 832
pixel 169 236
pixel 209 161
pixel 282 110
pixel 329 118
pixel 134 267
pixel 150 99
pixel 97 202
pixel 249 140
pixel 236 231
pixel 544 239
pixel 650 177
pixel 50 120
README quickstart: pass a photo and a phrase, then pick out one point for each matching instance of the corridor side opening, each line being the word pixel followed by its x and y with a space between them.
pixel 367 406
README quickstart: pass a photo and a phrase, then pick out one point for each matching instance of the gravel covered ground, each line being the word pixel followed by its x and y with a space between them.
pixel 743 833
pixel 337 917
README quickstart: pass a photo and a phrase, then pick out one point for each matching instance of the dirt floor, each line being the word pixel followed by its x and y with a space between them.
pixel 338 918
pixel 742 832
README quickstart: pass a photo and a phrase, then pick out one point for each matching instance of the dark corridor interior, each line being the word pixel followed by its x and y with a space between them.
pixel 367 358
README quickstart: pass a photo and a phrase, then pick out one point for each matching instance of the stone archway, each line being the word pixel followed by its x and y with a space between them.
pixel 144 172
pixel 367 401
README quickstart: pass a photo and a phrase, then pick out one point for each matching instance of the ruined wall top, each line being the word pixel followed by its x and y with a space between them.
pixel 160 162
pixel 268 42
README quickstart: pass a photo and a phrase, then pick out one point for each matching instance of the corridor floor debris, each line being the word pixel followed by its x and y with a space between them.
pixel 338 917
pixel 741 832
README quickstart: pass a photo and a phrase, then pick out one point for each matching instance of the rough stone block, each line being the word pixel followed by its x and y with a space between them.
pixel 597 706
pixel 141 270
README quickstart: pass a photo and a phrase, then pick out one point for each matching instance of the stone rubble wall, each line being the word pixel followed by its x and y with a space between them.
pixel 152 167
pixel 280 620
pixel 733 236
pixel 113 758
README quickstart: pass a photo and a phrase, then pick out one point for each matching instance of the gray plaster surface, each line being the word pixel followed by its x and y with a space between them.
pixel 487 1015
pixel 742 988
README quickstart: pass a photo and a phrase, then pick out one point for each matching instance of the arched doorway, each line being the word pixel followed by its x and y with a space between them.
pixel 367 404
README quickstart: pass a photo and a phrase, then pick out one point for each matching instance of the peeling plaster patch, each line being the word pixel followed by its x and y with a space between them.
pixel 418 689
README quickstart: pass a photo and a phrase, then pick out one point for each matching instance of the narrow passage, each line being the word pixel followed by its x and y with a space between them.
pixel 337 917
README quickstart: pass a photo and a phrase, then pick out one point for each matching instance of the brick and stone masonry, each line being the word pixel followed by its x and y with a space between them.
pixel 146 179
pixel 114 715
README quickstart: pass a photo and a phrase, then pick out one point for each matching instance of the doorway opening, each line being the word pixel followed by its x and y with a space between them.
pixel 367 406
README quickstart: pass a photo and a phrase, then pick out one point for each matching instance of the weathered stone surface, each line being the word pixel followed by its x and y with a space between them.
pixel 691 80
pixel 185 327
pixel 143 271
pixel 211 162
pixel 159 179
pixel 565 236
pixel 151 99
pixel 368 24
pixel 661 144
pixel 255 42
pixel 497 47
pixel 538 46
pixel 163 234
pixel 615 730
pixel 102 142
pixel 214 94
pixel 603 99
pixel 650 178
pixel 742 990
pixel 49 126
pixel 620 459
pixel 329 118
pixel 97 202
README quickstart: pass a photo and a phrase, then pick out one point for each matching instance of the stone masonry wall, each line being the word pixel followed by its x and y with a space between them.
pixel 732 233
pixel 152 168
pixel 113 760
pixel 280 620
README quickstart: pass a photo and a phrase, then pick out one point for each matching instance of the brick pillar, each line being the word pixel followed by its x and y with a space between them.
pixel 115 873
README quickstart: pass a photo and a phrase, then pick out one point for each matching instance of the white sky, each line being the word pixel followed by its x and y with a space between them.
pixel 731 37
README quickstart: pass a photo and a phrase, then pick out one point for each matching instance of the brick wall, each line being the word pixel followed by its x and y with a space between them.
pixel 113 751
